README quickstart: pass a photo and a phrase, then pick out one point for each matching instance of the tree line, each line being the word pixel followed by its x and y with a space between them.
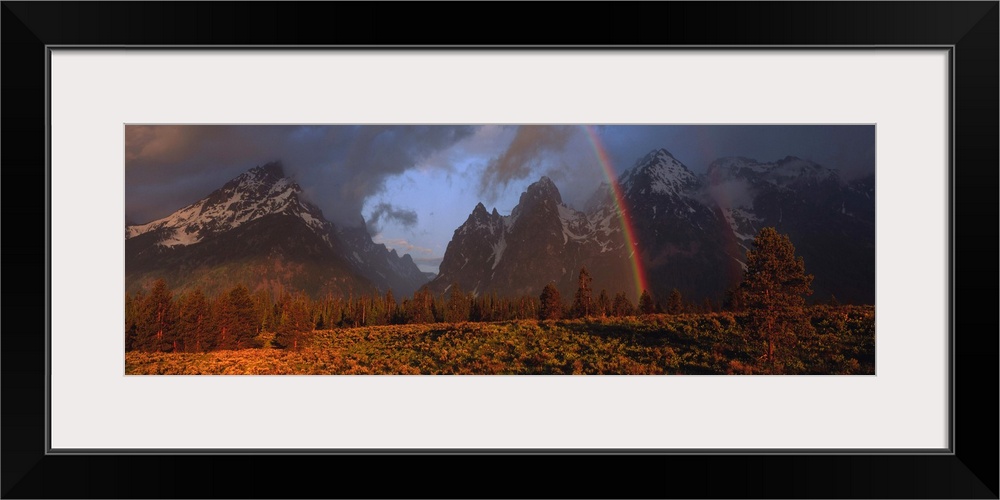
pixel 159 320
pixel 771 299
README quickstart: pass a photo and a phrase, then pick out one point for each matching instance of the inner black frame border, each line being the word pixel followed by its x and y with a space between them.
pixel 967 469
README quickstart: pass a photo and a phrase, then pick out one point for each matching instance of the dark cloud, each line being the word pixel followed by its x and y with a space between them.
pixel 385 212
pixel 847 148
pixel 531 147
pixel 170 166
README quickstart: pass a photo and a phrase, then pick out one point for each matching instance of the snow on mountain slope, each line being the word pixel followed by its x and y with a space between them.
pixel 660 173
pixel 261 191
pixel 247 205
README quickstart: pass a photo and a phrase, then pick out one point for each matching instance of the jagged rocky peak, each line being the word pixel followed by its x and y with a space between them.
pixel 252 195
pixel 656 155
pixel 265 175
pixel 268 172
pixel 542 193
pixel 544 188
pixel 263 205
pixel 481 219
pixel 659 173
pixel 480 211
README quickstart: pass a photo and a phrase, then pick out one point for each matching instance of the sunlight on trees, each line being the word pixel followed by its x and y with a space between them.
pixel 773 293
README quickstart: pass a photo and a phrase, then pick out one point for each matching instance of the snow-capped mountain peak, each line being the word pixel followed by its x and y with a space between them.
pixel 690 232
pixel 659 173
pixel 258 192
pixel 262 216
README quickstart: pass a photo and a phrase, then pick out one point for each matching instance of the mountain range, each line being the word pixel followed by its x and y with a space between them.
pixel 680 230
pixel 691 232
pixel 258 229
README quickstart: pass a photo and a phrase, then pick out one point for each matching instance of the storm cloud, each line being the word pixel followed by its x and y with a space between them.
pixel 530 148
pixel 339 167
pixel 385 212
pixel 850 149
pixel 419 182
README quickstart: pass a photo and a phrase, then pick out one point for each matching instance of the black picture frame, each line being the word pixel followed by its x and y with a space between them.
pixel 969 28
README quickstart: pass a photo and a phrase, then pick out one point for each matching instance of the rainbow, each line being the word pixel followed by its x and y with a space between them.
pixel 638 272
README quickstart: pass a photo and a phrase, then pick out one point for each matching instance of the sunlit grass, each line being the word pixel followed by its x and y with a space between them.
pixel 712 343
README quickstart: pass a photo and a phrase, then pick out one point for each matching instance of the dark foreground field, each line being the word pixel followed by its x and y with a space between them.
pixel 688 344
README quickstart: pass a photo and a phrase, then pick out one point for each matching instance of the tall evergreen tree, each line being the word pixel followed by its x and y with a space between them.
pixel 133 312
pixel 583 303
pixel 706 305
pixel 419 310
pixel 458 305
pixel 622 306
pixel 551 303
pixel 155 329
pixel 296 322
pixel 646 303
pixel 603 304
pixel 235 319
pixel 390 307
pixel 773 292
pixel 263 305
pixel 675 302
pixel 194 323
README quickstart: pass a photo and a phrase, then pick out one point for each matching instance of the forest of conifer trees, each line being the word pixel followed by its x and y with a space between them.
pixel 764 326
pixel 160 321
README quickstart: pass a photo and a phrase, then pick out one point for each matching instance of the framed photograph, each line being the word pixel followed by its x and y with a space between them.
pixel 208 132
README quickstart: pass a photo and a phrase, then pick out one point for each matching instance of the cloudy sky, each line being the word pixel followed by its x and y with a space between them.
pixel 414 185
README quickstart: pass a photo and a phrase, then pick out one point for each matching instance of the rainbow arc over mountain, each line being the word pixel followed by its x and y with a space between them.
pixel 624 218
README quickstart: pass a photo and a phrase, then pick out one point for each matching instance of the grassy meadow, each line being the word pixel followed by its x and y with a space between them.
pixel 658 344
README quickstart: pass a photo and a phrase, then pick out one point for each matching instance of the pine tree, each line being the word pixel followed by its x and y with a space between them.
pixel 603 304
pixel 133 312
pixel 646 303
pixel 551 303
pixel 773 292
pixel 264 310
pixel 390 307
pixel 438 307
pixel 193 325
pixel 583 304
pixel 477 309
pixel 733 300
pixel 235 319
pixel 622 306
pixel 675 303
pixel 457 309
pixel 419 310
pixel 155 328
pixel 296 322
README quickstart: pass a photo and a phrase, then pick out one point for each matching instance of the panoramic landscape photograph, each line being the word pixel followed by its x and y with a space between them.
pixel 499 249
